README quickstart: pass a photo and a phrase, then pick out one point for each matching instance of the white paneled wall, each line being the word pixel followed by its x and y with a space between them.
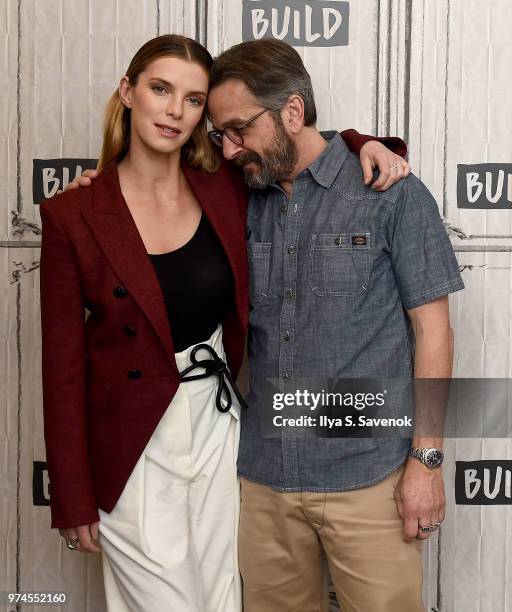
pixel 434 72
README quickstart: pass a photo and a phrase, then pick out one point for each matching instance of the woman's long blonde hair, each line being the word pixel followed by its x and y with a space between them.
pixel 198 150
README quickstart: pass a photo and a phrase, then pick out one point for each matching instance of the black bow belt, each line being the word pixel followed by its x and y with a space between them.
pixel 214 367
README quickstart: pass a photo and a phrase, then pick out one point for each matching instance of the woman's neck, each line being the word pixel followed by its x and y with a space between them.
pixel 152 174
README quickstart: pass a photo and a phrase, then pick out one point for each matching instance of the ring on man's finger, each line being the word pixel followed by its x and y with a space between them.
pixel 429 528
pixel 395 166
pixel 73 544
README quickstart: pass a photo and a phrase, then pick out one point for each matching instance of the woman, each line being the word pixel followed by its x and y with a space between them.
pixel 155 252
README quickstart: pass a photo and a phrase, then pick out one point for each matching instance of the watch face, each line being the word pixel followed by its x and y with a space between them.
pixel 433 457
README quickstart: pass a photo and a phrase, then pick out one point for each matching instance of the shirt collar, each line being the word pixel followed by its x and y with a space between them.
pixel 327 165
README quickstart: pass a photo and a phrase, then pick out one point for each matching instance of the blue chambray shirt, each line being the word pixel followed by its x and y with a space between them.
pixel 332 269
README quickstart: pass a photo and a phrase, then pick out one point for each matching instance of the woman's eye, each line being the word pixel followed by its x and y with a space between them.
pixel 196 101
pixel 159 89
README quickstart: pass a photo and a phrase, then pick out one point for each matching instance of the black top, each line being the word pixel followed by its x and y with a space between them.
pixel 197 285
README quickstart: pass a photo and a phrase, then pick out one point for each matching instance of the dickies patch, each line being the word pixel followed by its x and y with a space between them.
pixel 358 240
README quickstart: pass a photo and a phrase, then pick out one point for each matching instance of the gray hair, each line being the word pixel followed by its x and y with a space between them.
pixel 272 71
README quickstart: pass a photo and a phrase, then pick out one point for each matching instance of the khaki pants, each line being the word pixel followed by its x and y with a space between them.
pixel 286 537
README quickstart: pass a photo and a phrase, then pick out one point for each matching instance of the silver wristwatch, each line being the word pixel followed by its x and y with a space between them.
pixel 430 457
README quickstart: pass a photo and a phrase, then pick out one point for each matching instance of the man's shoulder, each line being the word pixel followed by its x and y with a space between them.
pixel 350 183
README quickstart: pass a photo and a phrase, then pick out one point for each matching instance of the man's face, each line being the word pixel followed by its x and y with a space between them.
pixel 267 154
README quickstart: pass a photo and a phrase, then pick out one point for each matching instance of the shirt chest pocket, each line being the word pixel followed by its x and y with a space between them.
pixel 339 264
pixel 259 270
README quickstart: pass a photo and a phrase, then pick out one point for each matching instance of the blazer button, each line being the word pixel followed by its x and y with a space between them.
pixel 129 330
pixel 134 374
pixel 120 292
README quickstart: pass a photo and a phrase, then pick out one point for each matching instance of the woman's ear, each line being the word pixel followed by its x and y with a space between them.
pixel 125 91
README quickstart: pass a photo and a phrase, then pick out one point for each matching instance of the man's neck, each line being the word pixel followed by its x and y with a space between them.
pixel 310 144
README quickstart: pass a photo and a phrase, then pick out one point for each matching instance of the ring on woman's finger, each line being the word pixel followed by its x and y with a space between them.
pixel 73 544
pixel 395 165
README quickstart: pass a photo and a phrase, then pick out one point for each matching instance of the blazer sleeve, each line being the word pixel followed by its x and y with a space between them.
pixel 236 177
pixel 72 496
pixel 355 141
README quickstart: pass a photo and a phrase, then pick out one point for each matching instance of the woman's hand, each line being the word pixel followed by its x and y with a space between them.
pixel 392 167
pixel 87 536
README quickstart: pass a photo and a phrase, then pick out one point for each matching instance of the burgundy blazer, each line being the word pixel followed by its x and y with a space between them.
pixel 107 382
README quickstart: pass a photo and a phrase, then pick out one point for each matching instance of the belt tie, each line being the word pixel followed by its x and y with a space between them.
pixel 214 367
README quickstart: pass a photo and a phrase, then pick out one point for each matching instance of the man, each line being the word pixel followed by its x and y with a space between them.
pixel 309 188
pixel 339 274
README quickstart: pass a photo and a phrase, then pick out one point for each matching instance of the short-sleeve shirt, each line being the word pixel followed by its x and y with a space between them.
pixel 333 269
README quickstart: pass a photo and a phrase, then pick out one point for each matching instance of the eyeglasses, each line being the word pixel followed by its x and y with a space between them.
pixel 233 133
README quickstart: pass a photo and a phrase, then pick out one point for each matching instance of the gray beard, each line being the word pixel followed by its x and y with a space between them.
pixel 275 164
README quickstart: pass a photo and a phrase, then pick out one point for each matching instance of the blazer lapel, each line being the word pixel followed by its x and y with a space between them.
pixel 114 228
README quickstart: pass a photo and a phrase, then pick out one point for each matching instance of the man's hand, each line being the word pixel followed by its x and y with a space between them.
pixel 84 180
pixel 420 499
pixel 87 536
pixel 392 167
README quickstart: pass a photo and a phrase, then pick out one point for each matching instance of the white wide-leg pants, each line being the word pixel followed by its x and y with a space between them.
pixel 170 543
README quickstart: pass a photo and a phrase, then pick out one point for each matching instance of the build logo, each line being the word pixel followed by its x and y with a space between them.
pixel 317 23
pixel 484 186
pixel 40 484
pixel 483 483
pixel 49 175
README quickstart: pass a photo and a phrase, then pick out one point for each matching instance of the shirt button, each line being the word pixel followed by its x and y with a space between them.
pixel 120 292
pixel 338 241
pixel 291 250
pixel 134 374
pixel 286 376
pixel 284 207
pixel 129 330
pixel 287 335
pixel 290 294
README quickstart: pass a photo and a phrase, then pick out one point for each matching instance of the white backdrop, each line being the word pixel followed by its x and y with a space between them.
pixel 435 72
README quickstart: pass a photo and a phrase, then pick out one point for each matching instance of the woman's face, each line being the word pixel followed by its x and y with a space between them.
pixel 166 103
